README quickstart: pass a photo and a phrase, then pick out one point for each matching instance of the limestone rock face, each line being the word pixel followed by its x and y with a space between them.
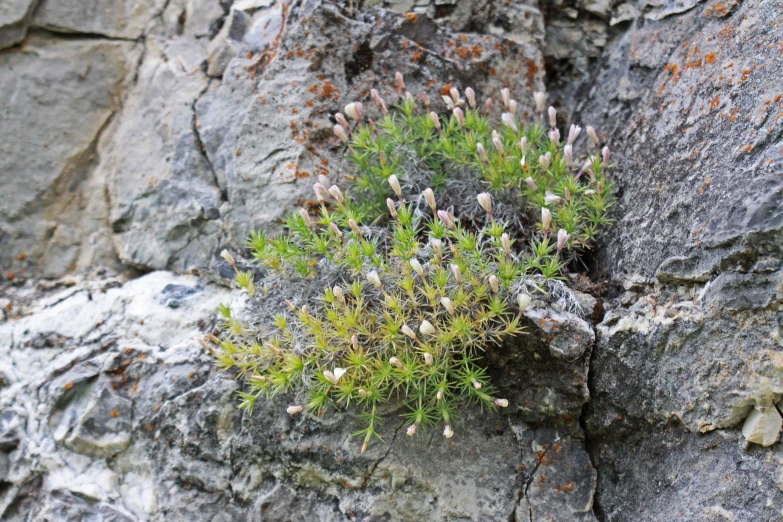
pixel 138 138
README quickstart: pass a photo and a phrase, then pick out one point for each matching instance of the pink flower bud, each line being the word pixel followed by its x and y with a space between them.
pixel 426 99
pixel 355 227
pixel 439 395
pixel 562 239
pixel 488 105
pixel 444 216
pixel 341 120
pixel 448 432
pixel 573 133
pixel 593 136
pixel 454 93
pixel 477 385
pixel 502 403
pixel 411 431
pixel 398 79
pixel 605 155
pixel 546 218
pixel 306 216
pixel 320 192
pixel 336 230
pixel 531 183
pixel 395 361
pixel 339 131
pixel 482 152
pixel 552 117
pixel 499 145
pixel 293 410
pixel 460 116
pixel 471 96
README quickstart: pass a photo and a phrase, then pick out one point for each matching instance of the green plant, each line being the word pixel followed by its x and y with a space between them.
pixel 423 292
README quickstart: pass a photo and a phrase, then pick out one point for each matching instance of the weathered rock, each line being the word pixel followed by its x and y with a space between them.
pixel 58 97
pixel 15 16
pixel 113 18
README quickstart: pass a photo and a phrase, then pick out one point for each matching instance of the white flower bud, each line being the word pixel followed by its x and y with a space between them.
pixel 477 385
pixel 437 244
pixel 417 267
pixel 354 110
pixel 509 121
pixel 494 284
pixel 448 433
pixel 435 120
pixel 339 131
pixel 552 117
pixel 428 360
pixel 562 239
pixel 411 431
pixel 523 300
pixel 426 328
pixel 225 254
pixel 524 145
pixel 447 304
pixel 605 155
pixel 454 93
pixel 395 185
pixel 471 96
pixel 512 107
pixel 407 331
pixel 392 208
pixel 395 362
pixel 444 216
pixel 373 278
pixel 485 200
pixel 409 96
pixel 455 269
pixel 460 116
pixel 506 95
pixel 330 376
pixel 506 242
pixel 439 395
pixel 398 79
pixel 425 97
pixel 482 152
pixel 546 218
pixel 341 120
pixel 293 410
pixel 593 136
pixel 306 216
pixel 550 198
pixel 338 293
pixel 448 101
pixel 363 392
pixel 540 99
pixel 522 162
pixel 334 190
pixel 545 160
pixel 573 133
pixel 429 197
pixel 589 192
pixel 531 183
pixel 568 152
pixel 502 403
pixel 554 137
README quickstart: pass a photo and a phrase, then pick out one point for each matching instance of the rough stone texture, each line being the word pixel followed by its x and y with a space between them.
pixel 166 130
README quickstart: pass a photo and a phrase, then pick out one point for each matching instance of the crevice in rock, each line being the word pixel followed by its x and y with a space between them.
pixel 64 34
pixel 523 493
pixel 591 443
pixel 202 146
pixel 375 464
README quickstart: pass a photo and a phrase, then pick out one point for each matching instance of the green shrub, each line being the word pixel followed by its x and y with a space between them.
pixel 426 288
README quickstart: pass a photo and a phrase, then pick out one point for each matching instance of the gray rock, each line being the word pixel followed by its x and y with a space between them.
pixel 113 18
pixel 15 16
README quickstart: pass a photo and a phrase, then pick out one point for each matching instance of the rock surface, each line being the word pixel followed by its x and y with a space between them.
pixel 144 135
